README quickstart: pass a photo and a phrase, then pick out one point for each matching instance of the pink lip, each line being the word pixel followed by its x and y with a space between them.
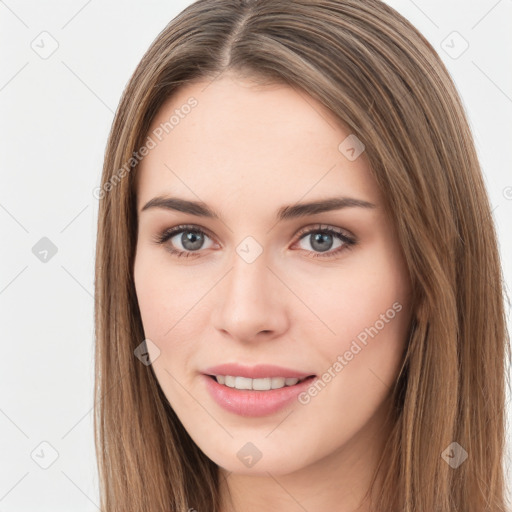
pixel 254 372
pixel 253 403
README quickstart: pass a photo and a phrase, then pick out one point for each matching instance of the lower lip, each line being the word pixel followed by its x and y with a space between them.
pixel 254 403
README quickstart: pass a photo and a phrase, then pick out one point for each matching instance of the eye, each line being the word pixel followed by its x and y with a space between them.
pixel 322 239
pixel 191 239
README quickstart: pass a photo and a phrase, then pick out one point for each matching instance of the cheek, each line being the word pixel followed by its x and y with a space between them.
pixel 162 295
pixel 173 311
pixel 360 362
pixel 364 313
pixel 353 297
pixel 153 304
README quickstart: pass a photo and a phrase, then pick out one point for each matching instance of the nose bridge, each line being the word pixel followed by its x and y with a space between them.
pixel 248 281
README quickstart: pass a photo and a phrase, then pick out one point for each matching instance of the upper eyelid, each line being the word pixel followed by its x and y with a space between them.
pixel 324 227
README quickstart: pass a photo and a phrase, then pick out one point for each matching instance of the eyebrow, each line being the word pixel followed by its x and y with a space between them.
pixel 284 213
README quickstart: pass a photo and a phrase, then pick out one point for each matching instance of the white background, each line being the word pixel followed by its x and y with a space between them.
pixel 55 115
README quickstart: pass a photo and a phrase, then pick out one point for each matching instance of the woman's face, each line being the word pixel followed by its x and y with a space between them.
pixel 260 285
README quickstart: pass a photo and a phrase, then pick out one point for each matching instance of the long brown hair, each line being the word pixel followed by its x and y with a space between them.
pixel 384 81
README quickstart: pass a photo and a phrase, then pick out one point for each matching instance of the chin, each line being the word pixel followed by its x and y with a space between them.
pixel 258 458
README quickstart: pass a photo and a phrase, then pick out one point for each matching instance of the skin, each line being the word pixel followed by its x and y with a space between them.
pixel 246 150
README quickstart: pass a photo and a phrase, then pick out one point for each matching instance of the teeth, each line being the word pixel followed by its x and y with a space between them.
pixel 263 384
pixel 229 381
pixel 243 383
pixel 277 382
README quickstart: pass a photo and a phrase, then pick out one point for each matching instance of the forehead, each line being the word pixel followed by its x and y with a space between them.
pixel 233 139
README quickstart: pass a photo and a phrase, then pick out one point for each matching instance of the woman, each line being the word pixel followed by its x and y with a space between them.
pixel 299 299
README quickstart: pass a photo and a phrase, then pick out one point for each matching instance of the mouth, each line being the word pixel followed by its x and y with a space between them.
pixel 262 396
pixel 259 384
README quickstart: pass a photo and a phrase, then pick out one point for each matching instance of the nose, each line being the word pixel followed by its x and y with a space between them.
pixel 250 302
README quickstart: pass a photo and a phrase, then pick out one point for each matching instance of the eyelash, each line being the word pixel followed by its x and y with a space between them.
pixel 167 234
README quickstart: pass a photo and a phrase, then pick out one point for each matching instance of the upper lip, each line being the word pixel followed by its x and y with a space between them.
pixel 254 372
